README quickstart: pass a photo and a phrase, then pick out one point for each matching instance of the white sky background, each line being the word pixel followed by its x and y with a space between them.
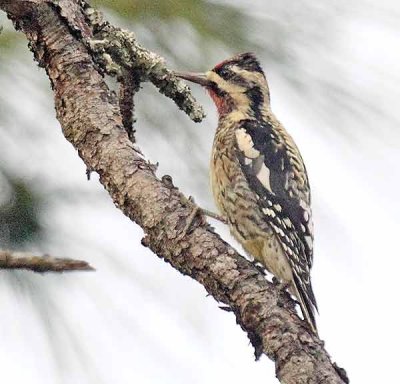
pixel 136 319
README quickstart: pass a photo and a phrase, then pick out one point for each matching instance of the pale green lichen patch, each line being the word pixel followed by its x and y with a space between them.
pixel 117 51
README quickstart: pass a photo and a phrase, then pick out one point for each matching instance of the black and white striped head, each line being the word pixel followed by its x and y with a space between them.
pixel 236 84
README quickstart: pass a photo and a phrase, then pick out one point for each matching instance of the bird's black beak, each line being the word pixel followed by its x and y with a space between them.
pixel 199 78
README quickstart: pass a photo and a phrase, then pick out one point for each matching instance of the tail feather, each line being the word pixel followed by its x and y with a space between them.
pixel 307 301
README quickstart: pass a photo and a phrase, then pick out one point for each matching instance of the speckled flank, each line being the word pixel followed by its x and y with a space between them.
pixel 240 205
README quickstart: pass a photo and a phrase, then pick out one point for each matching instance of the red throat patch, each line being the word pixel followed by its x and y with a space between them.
pixel 219 102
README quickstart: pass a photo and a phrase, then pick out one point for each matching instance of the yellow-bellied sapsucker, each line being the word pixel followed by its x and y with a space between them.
pixel 258 177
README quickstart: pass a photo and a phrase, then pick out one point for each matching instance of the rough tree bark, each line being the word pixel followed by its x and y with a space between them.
pixel 91 121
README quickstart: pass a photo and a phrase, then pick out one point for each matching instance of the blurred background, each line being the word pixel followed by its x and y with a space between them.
pixel 333 70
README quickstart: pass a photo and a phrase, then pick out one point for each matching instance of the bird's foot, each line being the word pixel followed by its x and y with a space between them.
pixel 214 216
pixel 280 285
pixel 189 221
pixel 196 210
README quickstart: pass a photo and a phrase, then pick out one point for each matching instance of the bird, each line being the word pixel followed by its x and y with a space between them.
pixel 258 178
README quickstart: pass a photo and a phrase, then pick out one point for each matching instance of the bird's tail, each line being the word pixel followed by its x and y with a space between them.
pixel 308 304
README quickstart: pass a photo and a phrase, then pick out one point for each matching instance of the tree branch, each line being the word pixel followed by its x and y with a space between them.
pixel 45 263
pixel 90 118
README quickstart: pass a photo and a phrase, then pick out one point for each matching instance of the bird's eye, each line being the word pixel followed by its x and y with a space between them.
pixel 224 73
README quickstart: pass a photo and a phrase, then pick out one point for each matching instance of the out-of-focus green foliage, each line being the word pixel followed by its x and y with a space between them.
pixel 212 21
pixel 216 22
pixel 19 222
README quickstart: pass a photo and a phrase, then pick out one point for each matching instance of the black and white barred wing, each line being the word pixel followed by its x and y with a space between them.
pixel 275 171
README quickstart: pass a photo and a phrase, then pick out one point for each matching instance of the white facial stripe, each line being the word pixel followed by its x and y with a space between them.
pixel 236 92
pixel 245 144
pixel 223 84
pixel 254 76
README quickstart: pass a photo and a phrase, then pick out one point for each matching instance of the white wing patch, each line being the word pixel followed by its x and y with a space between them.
pixel 251 156
pixel 245 144
pixel 263 176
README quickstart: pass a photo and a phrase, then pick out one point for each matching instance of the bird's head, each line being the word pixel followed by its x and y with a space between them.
pixel 236 84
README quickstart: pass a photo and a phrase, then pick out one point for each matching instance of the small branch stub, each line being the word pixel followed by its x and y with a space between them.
pixel 129 85
pixel 45 263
